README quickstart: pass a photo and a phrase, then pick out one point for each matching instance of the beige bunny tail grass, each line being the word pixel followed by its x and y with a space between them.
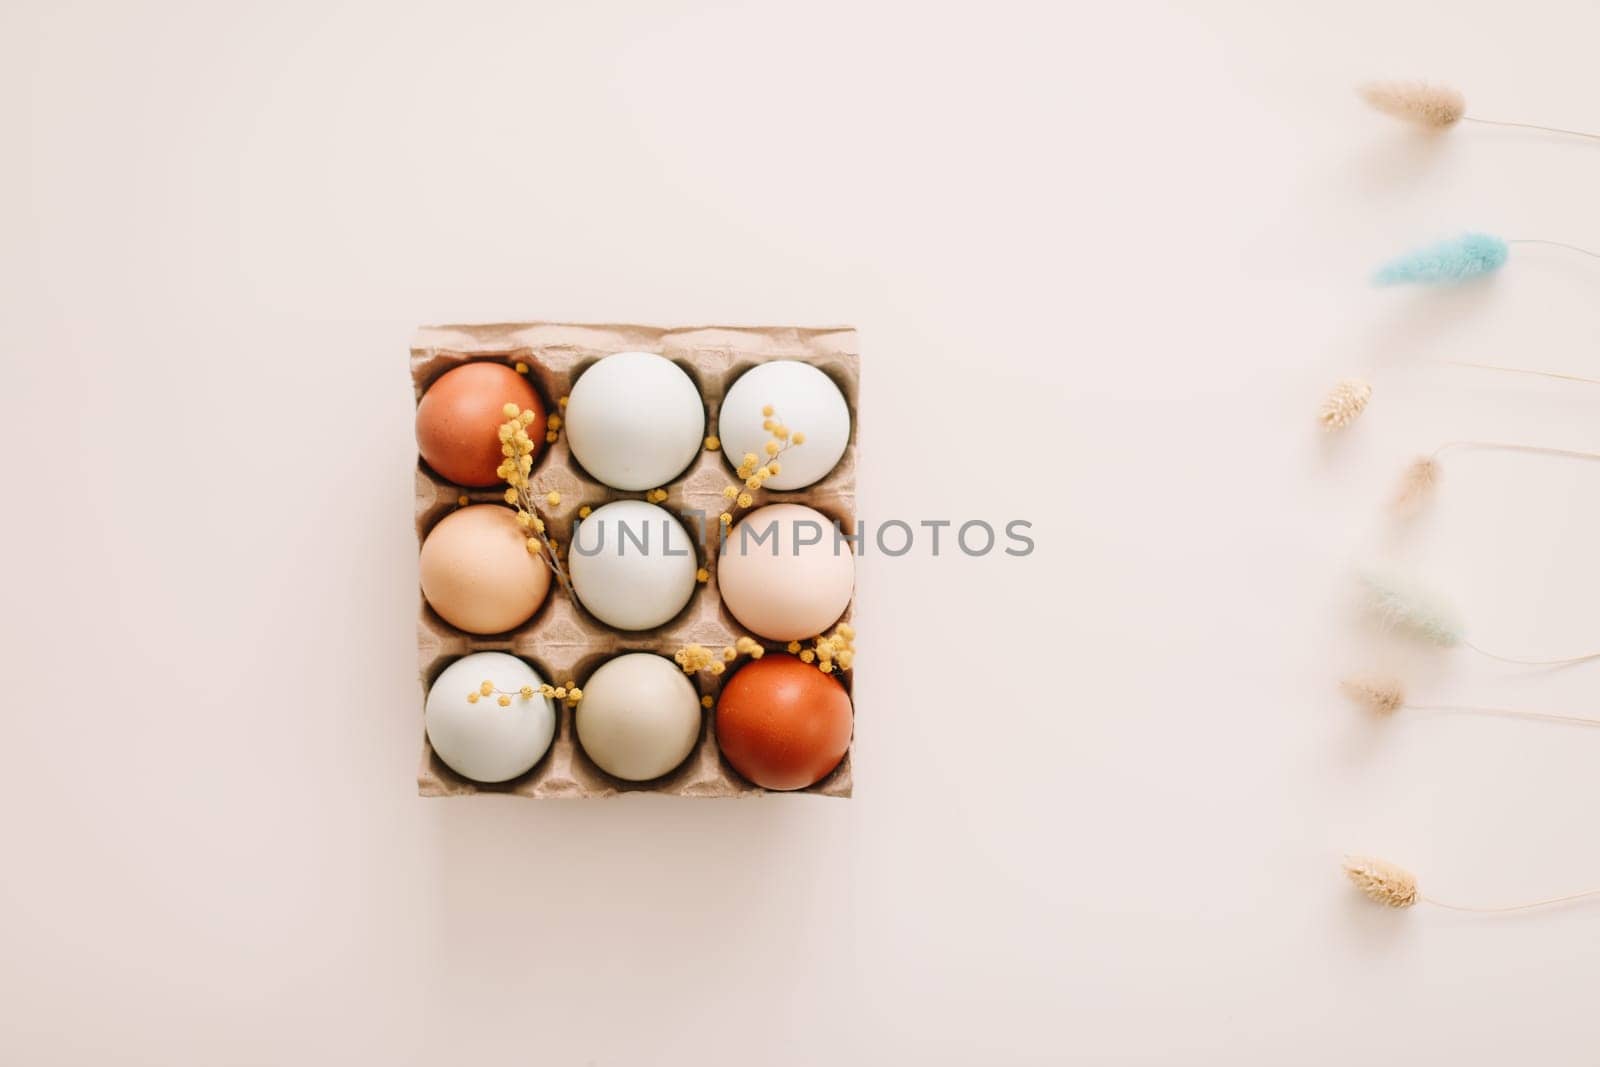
pixel 1382 695
pixel 1434 106
pixel 1382 881
pixel 1344 404
pixel 1416 488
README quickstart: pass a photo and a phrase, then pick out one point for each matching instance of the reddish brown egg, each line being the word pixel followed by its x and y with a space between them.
pixel 783 724
pixel 460 414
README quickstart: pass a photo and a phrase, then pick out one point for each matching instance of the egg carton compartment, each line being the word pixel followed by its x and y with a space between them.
pixel 561 640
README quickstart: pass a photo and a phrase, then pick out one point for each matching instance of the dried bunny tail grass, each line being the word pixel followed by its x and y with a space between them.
pixel 1434 106
pixel 1344 404
pixel 1448 262
pixel 1396 887
pixel 1398 602
pixel 1382 695
pixel 1439 107
pixel 1382 881
pixel 1416 488
pixel 1423 475
pixel 1385 696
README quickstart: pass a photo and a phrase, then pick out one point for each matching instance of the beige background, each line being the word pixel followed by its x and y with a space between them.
pixel 1105 260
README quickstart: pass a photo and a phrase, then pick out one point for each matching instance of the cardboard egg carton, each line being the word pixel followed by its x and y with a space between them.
pixel 564 642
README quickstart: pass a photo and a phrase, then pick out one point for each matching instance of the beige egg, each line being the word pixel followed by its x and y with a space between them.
pixel 639 718
pixel 477 572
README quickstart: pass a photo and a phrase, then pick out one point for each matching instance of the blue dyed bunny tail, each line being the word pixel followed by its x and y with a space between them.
pixel 1447 262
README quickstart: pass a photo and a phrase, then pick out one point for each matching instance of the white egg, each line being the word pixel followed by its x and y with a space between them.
pixel 635 421
pixel 639 717
pixel 478 738
pixel 632 564
pixel 802 398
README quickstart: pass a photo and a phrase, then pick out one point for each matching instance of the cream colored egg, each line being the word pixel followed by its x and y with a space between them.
pixel 473 733
pixel 803 399
pixel 634 420
pixel 784 572
pixel 477 572
pixel 632 565
pixel 639 717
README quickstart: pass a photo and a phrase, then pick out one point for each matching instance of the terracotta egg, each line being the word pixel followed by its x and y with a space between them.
pixel 782 723
pixel 784 573
pixel 477 572
pixel 460 414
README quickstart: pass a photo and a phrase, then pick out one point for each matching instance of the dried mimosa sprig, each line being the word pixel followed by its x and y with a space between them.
pixel 827 653
pixel 516 468
pixel 1386 696
pixel 569 692
pixel 696 658
pixel 552 425
pixel 1395 887
pixel 754 470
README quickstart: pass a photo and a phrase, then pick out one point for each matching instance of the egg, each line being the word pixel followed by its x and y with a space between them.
pixel 639 717
pixel 459 417
pixel 803 399
pixel 782 723
pixel 632 564
pixel 477 572
pixel 473 733
pixel 635 421
pixel 784 573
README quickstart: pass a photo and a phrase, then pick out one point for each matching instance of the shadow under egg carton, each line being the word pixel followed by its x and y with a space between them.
pixel 563 642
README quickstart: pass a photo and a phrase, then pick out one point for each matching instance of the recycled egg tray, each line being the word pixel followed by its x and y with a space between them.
pixel 563 642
